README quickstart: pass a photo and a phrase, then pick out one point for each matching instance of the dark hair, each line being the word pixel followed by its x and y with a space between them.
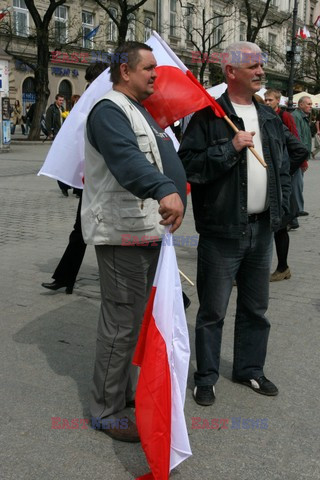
pixel 94 70
pixel 127 52
pixel 74 99
pixel 59 95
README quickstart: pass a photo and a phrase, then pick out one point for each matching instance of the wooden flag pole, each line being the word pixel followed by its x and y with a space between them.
pixel 254 152
pixel 187 278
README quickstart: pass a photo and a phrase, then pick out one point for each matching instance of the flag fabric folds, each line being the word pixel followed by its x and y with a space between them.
pixel 163 354
pixel 177 93
pixel 65 159
pixel 92 33
pixel 303 33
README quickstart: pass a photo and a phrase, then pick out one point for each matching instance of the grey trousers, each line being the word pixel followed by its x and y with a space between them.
pixel 297 187
pixel 126 277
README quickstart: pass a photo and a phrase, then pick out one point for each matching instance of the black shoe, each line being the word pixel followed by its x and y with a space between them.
pixel 292 227
pixel 56 285
pixel 65 192
pixel 204 395
pixel 186 301
pixel 260 385
pixel 303 214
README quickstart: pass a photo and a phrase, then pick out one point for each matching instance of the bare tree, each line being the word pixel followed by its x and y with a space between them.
pixel 256 14
pixel 204 37
pixel 42 36
pixel 126 9
pixel 310 67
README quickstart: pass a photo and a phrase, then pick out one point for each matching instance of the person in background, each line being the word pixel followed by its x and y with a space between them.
pixel 54 121
pixel 68 268
pixel 281 237
pixel 17 118
pixel 301 117
pixel 29 115
pixel 316 138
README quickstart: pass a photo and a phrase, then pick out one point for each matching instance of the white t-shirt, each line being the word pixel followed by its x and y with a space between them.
pixel 257 174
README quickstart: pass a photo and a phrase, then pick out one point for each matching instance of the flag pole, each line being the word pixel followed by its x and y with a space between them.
pixel 224 116
pixel 187 278
pixel 252 149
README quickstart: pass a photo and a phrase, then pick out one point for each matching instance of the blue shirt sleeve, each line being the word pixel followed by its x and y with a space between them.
pixel 110 133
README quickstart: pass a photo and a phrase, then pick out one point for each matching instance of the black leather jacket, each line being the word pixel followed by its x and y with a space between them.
pixel 218 173
pixel 53 119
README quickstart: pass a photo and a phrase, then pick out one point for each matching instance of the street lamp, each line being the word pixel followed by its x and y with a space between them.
pixel 291 56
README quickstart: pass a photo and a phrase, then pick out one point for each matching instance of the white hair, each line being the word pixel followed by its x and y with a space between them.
pixel 241 52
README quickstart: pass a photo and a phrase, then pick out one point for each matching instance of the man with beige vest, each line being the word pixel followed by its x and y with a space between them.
pixel 134 185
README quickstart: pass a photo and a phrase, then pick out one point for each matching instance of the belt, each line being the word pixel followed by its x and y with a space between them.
pixel 255 217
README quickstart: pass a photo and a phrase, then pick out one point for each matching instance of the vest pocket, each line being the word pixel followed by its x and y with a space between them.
pixel 131 214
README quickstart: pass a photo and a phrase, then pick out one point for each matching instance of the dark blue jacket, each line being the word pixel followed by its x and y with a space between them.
pixel 218 173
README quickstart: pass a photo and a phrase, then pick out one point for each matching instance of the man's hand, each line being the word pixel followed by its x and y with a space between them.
pixel 243 139
pixel 304 167
pixel 171 210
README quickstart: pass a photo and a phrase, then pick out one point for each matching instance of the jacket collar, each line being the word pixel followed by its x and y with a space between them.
pixel 264 112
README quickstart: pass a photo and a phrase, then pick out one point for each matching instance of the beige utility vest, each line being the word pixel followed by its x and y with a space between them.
pixel 109 213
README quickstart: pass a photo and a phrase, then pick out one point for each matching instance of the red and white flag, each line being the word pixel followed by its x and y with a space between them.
pixel 317 22
pixel 177 93
pixel 303 33
pixel 163 354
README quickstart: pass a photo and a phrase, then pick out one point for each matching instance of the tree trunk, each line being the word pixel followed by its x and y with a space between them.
pixel 123 28
pixel 41 78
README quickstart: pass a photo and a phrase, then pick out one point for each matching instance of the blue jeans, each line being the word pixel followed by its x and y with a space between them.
pixel 220 262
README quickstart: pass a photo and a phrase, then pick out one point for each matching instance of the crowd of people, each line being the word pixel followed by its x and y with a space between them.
pixel 136 181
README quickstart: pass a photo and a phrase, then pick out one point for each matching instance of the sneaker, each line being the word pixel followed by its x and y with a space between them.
pixel 260 385
pixel 204 395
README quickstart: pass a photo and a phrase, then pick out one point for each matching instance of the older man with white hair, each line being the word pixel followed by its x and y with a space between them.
pixel 237 205
pixel 301 117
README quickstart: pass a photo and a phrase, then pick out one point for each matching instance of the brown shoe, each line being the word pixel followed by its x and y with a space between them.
pixel 278 276
pixel 122 429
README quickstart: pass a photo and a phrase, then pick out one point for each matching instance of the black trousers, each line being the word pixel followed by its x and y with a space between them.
pixel 70 263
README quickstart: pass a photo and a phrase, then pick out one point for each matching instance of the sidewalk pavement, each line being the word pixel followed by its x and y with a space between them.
pixel 48 343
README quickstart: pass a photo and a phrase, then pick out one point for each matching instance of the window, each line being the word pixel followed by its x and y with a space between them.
pixel 272 42
pixel 112 27
pixel 20 18
pixel 87 27
pixel 147 28
pixel 60 24
pixel 173 17
pixel 189 25
pixel 131 32
pixel 243 32
pixel 217 30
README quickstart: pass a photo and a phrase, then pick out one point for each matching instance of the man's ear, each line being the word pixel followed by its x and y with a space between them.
pixel 229 72
pixel 124 71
